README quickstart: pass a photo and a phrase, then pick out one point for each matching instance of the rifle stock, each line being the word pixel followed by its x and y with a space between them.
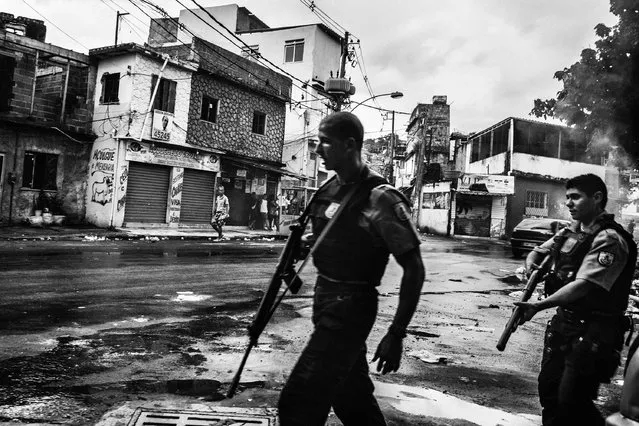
pixel 511 326
pixel 284 272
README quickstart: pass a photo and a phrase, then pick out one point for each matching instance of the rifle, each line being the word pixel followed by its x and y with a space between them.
pixel 285 272
pixel 535 278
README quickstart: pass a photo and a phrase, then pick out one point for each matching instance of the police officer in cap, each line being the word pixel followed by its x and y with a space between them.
pixel 593 262
pixel 332 370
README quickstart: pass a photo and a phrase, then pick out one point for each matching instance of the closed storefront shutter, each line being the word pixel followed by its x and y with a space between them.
pixel 147 193
pixel 198 191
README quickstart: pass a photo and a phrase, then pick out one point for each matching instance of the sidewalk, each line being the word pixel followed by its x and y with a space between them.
pixel 88 232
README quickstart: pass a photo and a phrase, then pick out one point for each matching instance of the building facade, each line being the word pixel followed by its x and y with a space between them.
pixel 45 124
pixel 540 158
pixel 182 121
pixel 310 53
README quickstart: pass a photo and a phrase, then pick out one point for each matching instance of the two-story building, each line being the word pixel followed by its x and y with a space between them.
pixel 174 124
pixel 46 96
pixel 539 158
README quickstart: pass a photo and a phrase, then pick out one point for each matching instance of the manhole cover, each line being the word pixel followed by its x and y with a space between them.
pixel 237 417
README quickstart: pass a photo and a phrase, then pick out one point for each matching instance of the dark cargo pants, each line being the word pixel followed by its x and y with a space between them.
pixel 332 370
pixel 578 355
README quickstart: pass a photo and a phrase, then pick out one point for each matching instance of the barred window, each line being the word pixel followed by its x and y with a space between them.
pixel 536 203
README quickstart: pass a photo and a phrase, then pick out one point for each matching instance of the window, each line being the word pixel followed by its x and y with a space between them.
pixel 251 52
pixel 40 170
pixel 294 50
pixel 259 122
pixel 474 153
pixel 536 203
pixel 209 109
pixel 7 65
pixel 165 97
pixel 110 88
pixel 500 138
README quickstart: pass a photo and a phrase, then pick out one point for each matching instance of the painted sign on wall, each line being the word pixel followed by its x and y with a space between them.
pixel 154 154
pixel 102 168
pixel 493 184
pixel 177 182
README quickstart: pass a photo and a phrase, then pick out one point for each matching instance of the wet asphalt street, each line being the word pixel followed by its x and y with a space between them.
pixel 88 325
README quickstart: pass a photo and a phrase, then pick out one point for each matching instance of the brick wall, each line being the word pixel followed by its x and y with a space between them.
pixel 219 61
pixel 49 92
pixel 162 30
pixel 232 131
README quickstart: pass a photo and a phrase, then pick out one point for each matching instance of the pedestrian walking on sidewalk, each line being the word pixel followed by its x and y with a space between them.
pixel 273 208
pixel 264 212
pixel 252 208
pixel 593 263
pixel 332 370
pixel 222 209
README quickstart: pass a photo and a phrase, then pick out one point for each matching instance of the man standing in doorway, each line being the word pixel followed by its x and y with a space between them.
pixel 222 209
pixel 593 262
pixel 332 370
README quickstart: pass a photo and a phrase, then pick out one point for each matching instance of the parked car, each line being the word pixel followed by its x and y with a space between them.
pixel 628 414
pixel 531 232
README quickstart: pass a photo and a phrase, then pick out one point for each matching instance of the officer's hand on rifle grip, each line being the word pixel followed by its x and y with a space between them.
pixel 306 243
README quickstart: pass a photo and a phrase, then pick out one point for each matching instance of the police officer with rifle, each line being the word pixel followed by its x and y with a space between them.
pixel 593 263
pixel 371 221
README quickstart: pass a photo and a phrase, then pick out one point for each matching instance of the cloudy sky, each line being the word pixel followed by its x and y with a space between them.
pixel 490 57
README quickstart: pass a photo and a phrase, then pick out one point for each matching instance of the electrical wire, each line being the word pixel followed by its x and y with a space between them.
pixel 166 15
pixel 51 22
pixel 241 41
pixel 124 19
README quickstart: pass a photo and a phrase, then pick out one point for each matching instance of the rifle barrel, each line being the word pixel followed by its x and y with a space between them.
pixel 236 380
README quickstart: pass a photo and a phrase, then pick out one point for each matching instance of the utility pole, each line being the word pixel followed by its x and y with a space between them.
pixel 392 151
pixel 419 174
pixel 117 24
pixel 342 71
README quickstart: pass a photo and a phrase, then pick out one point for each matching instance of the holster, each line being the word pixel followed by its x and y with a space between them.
pixel 552 283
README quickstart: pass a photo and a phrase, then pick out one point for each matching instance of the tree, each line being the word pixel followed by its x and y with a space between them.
pixel 600 92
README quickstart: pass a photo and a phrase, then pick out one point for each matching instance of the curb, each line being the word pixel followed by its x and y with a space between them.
pixel 130 237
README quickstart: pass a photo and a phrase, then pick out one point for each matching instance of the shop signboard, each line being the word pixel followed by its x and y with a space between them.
pixel 491 184
pixel 152 153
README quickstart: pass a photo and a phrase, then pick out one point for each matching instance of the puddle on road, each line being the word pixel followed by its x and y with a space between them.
pixel 431 403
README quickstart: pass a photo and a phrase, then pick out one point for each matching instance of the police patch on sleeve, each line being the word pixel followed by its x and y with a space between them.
pixel 401 212
pixel 605 258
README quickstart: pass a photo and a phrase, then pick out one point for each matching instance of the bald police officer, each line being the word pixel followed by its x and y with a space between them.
pixel 589 282
pixel 332 370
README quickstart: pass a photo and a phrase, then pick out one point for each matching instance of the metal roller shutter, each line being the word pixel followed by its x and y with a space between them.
pixel 147 193
pixel 198 191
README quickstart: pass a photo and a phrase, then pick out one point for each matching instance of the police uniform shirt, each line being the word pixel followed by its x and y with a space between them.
pixel 605 260
pixel 359 245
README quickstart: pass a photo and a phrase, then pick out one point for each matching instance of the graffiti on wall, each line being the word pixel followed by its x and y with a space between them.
pixel 102 169
pixel 176 194
pixel 122 187
pixel 101 190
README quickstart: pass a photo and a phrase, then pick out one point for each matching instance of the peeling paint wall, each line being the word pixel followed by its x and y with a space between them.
pixel 70 173
pixel 433 217
pixel 103 177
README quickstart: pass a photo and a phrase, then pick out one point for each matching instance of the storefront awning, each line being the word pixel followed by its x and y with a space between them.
pixel 268 168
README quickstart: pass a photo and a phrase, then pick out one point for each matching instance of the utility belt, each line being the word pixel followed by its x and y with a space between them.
pixel 327 284
pixel 599 319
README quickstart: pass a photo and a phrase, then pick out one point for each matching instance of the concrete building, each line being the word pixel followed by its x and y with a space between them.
pixel 513 169
pixel 172 125
pixel 540 157
pixel 311 53
pixel 45 123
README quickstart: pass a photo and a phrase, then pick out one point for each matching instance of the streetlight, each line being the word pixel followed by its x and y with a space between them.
pixel 394 95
